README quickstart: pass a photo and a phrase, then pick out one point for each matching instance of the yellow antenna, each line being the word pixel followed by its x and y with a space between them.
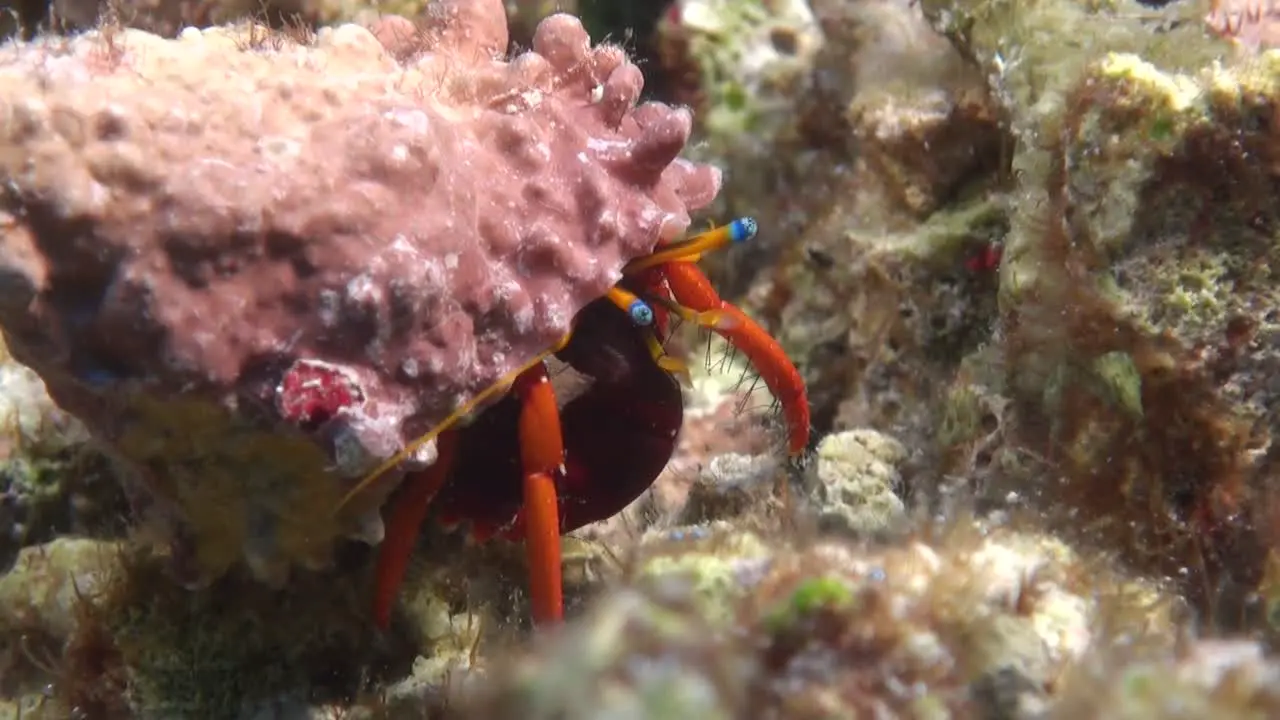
pixel 691 250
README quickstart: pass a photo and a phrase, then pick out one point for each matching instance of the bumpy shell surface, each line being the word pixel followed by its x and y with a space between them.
pixel 209 242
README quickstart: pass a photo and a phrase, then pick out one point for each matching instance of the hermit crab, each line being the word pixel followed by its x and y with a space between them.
pixel 539 460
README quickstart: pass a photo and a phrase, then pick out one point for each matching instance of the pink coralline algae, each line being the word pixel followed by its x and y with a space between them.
pixel 256 267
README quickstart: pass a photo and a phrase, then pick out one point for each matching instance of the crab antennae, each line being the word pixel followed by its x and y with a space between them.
pixel 502 385
pixel 738 231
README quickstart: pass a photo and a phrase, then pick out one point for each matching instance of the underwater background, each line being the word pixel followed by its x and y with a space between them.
pixel 1018 250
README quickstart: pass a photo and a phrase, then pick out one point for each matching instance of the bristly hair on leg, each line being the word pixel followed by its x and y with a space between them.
pixel 751 396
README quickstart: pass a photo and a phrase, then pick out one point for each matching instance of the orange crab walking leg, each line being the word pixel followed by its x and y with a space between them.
pixel 542 457
pixel 402 527
pixel 692 288
pixel 454 418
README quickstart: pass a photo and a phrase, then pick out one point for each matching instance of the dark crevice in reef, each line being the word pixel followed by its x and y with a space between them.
pixel 31 15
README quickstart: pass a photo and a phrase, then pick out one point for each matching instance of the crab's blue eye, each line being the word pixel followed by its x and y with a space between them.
pixel 641 313
pixel 743 229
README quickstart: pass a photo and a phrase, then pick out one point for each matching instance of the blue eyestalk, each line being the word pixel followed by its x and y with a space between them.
pixel 640 312
pixel 743 229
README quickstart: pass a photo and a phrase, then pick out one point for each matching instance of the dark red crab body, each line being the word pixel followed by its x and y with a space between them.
pixel 620 414
pixel 547 457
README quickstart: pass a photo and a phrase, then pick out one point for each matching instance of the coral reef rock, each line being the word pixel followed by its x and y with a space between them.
pixel 254 266
pixel 743 62
pixel 978 622
pixel 1142 319
pixel 52 481
pixel 854 480
pixel 1210 678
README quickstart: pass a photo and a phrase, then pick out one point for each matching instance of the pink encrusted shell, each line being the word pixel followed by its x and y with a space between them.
pixel 349 237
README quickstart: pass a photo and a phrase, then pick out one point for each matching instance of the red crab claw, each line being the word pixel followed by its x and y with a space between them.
pixel 689 287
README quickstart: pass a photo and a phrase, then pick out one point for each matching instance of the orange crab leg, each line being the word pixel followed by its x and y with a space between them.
pixel 690 287
pixel 675 263
pixel 542 456
pixel 403 526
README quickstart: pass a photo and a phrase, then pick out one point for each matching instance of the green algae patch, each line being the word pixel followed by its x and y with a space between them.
pixel 826 593
pixel 718 569
pixel 222 651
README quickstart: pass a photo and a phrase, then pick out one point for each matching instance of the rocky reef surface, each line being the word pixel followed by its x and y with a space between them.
pixel 1021 251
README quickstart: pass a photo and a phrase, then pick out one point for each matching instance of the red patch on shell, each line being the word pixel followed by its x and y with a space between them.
pixel 311 393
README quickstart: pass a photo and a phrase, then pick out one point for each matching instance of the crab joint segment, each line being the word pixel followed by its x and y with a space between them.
pixel 694 299
pixel 692 289
pixel 542 458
